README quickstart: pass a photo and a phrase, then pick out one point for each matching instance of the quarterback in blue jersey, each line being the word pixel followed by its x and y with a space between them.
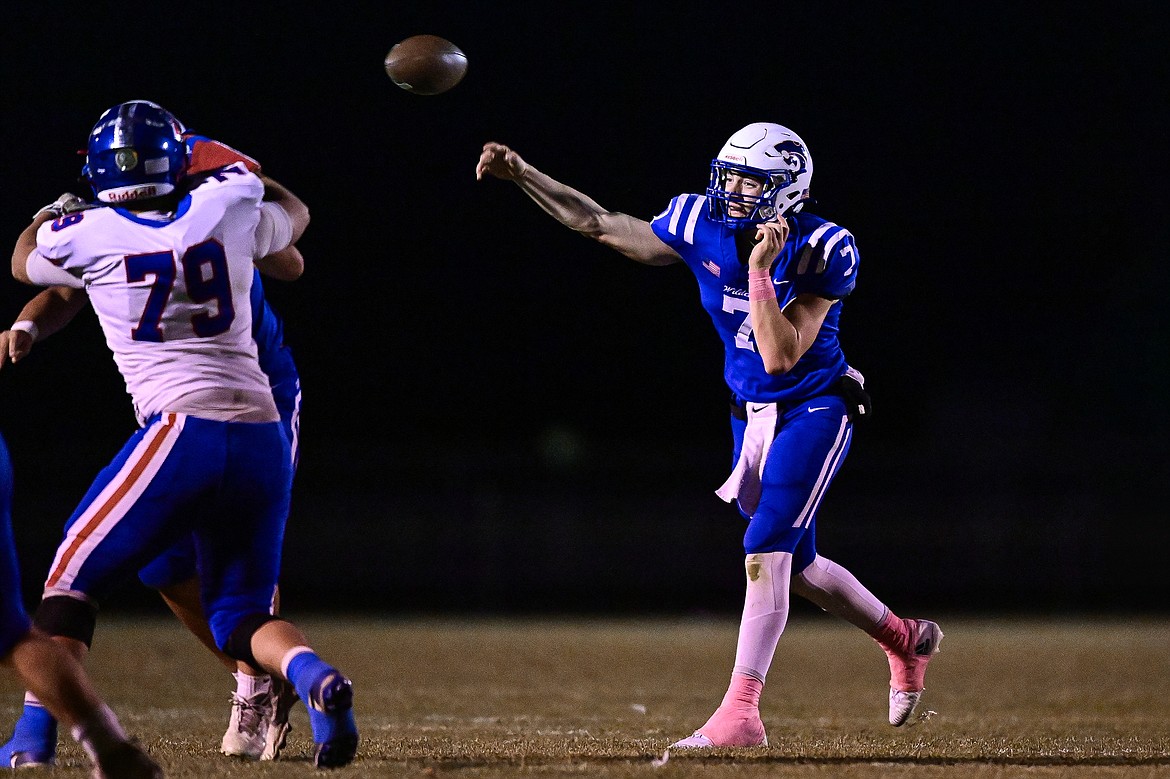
pixel 772 277
pixel 52 674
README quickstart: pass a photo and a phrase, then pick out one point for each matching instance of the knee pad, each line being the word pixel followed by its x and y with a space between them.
pixel 239 642
pixel 61 615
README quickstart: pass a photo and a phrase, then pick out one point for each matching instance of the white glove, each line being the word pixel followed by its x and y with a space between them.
pixel 67 203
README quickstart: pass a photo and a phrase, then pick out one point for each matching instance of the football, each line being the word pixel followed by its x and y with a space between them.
pixel 426 64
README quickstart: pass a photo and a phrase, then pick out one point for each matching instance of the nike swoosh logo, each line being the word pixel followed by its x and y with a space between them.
pixel 778 283
pixel 818 408
pixel 758 409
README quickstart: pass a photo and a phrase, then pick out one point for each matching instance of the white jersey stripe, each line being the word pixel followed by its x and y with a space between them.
pixel 827 468
pixel 825 485
pixel 820 231
pixel 294 424
pixel 111 504
pixel 834 241
pixel 692 217
pixel 676 214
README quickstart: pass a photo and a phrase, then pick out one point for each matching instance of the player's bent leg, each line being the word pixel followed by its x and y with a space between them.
pixel 184 601
pixel 53 674
pixel 908 644
pixel 281 648
pixel 838 592
pixel 258 725
pixel 71 622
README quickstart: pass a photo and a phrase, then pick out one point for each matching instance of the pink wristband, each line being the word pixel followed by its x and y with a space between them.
pixel 760 285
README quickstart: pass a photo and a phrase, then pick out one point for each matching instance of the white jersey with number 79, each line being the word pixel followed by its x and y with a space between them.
pixel 172 290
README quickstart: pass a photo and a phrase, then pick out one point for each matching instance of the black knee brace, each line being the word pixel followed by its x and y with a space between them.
pixel 239 643
pixel 60 615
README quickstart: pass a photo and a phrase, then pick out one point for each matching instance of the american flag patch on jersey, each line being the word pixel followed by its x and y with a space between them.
pixel 711 266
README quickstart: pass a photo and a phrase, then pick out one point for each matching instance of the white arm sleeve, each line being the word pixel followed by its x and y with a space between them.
pixel 44 273
pixel 274 231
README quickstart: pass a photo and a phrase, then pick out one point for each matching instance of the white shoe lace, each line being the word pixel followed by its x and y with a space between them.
pixel 248 726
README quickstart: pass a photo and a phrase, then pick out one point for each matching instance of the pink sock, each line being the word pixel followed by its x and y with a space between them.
pixel 906 669
pixel 736 723
pixel 892 633
pixel 743 694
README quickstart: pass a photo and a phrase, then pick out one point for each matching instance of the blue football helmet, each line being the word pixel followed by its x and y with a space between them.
pixel 769 152
pixel 135 152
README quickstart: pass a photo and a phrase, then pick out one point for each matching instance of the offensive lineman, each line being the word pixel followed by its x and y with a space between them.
pixel 260 706
pixel 771 276
pixel 169 276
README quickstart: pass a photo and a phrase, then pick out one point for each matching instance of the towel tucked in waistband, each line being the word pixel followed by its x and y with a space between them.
pixel 744 482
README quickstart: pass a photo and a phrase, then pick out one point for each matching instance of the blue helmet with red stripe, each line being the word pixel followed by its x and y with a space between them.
pixel 135 152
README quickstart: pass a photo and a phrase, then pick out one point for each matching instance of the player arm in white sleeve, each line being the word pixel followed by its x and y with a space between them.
pixel 629 235
pixel 26 244
pixel 283 218
pixel 273 231
pixel 298 212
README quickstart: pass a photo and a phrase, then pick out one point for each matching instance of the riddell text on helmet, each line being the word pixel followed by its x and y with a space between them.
pixel 142 193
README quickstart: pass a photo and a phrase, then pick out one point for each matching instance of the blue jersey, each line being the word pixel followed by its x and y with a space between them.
pixel 819 258
pixel 275 358
pixel 14 622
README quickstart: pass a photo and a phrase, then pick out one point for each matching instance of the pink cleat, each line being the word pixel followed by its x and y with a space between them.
pixel 909 656
pixel 727 729
pixel 736 723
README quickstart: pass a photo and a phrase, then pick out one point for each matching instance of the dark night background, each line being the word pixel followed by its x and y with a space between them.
pixel 502 416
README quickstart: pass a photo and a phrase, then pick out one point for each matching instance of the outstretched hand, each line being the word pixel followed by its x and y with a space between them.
pixel 771 237
pixel 501 162
pixel 14 346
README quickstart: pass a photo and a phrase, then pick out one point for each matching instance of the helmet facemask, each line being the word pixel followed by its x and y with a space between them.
pixel 762 207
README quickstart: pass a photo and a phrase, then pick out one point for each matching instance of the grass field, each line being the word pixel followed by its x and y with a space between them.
pixel 485 698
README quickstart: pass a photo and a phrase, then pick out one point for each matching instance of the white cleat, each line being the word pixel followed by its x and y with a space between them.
pixel 902 705
pixel 247 730
pixel 284 695
pixel 694 741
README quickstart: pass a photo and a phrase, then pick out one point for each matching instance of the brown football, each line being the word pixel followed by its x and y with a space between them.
pixel 426 64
